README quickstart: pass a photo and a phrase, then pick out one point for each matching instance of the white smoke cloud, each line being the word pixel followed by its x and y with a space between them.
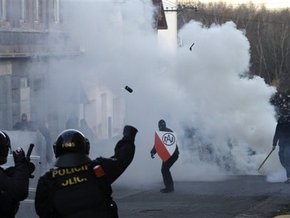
pixel 205 88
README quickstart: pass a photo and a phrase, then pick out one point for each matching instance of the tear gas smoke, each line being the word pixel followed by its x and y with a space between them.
pixel 223 119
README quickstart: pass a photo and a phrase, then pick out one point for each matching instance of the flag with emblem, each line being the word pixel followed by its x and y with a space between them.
pixel 165 144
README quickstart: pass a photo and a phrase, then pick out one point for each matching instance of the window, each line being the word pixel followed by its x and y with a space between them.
pixel 23 82
pixel 2 10
pixel 23 11
pixel 36 10
pixel 56 10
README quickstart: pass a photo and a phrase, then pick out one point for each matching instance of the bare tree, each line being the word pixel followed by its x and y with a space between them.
pixel 267 31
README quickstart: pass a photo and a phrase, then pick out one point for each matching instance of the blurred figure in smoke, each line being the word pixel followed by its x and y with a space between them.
pixel 166 165
pixel 72 122
pixel 14 181
pixel 24 124
pixel 86 130
pixel 79 186
pixel 46 134
pixel 282 137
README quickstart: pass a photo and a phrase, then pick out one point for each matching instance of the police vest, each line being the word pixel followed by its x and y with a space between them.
pixel 79 189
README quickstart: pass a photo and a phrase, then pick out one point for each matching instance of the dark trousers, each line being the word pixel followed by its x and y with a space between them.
pixel 165 170
pixel 284 156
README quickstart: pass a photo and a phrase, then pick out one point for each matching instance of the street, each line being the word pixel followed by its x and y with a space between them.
pixel 238 197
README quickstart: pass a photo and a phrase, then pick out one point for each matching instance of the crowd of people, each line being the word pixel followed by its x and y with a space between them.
pixel 76 176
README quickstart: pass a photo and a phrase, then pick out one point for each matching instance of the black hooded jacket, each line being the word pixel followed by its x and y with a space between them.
pixel 282 134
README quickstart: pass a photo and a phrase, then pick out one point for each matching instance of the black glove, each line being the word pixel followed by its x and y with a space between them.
pixel 19 156
pixel 153 152
pixel 129 133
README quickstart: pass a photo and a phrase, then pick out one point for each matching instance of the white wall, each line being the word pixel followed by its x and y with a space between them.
pixel 168 38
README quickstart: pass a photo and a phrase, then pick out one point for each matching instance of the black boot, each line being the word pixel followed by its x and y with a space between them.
pixel 167 190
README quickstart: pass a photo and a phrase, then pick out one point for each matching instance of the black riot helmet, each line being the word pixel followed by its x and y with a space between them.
pixel 71 149
pixel 4 147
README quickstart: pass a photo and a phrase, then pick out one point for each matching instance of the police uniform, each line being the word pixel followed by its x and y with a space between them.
pixel 14 181
pixel 14 184
pixel 84 190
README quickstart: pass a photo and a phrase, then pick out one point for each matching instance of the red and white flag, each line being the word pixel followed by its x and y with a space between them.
pixel 165 144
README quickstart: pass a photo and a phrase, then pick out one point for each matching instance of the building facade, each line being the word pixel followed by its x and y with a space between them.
pixel 30 34
pixel 24 28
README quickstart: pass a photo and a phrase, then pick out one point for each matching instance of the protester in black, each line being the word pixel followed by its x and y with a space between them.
pixel 80 187
pixel 14 181
pixel 24 124
pixel 282 137
pixel 166 165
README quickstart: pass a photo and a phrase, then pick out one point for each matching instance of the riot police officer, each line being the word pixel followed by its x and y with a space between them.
pixel 14 181
pixel 79 186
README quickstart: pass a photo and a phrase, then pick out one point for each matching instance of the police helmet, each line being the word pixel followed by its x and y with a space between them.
pixel 71 149
pixel 4 147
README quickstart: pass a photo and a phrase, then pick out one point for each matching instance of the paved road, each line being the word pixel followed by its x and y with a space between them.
pixel 238 197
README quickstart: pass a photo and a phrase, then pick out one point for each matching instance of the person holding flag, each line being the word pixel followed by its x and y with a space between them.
pixel 166 147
